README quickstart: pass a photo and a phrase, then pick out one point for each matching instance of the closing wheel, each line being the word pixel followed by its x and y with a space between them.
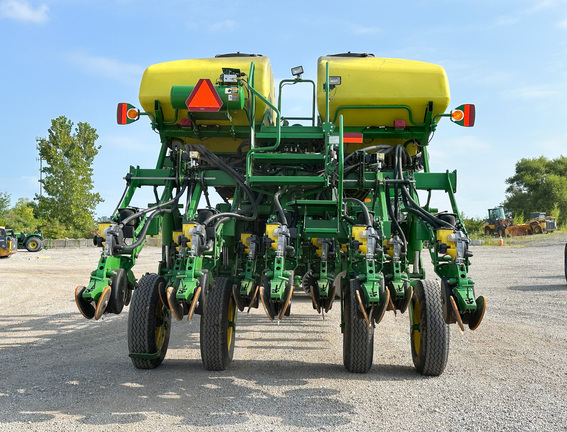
pixel 358 336
pixel 476 319
pixel 218 325
pixel 102 303
pixel 175 307
pixel 119 292
pixel 269 307
pixel 86 308
pixel 33 244
pixel 149 324
pixel 429 335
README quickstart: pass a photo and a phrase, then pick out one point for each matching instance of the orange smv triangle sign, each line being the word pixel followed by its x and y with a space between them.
pixel 204 97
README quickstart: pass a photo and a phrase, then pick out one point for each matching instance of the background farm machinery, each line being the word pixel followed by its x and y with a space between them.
pixel 8 243
pixel 33 242
pixel 326 203
pixel 499 224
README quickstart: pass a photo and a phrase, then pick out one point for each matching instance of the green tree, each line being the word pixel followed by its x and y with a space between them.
pixel 67 176
pixel 22 216
pixel 4 203
pixel 539 184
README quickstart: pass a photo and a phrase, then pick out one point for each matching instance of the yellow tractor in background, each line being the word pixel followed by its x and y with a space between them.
pixel 541 223
pixel 498 224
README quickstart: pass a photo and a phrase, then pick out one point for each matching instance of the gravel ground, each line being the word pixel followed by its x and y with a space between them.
pixel 60 372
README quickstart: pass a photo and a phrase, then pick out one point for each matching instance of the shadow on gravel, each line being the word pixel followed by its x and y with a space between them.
pixel 525 288
pixel 75 372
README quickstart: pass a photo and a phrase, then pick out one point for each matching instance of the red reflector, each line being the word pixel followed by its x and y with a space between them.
pixel 352 138
pixel 122 113
pixel 469 115
pixel 399 124
pixel 126 114
pixel 204 98
pixel 185 122
pixel 464 115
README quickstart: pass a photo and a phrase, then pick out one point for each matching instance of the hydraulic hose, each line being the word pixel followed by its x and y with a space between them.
pixel 159 209
pixel 392 213
pixel 367 215
pixel 409 202
pixel 211 157
pixel 279 206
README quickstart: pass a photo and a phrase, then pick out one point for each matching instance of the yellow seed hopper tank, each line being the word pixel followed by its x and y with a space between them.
pixel 370 81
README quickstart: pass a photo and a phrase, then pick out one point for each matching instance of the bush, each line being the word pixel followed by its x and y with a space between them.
pixel 473 225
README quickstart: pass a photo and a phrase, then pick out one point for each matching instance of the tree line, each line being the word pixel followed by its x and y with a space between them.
pixel 67 204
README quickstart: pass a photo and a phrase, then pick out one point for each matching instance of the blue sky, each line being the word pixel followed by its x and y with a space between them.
pixel 80 58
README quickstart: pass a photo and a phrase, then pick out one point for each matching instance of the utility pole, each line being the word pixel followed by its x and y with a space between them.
pixel 40 176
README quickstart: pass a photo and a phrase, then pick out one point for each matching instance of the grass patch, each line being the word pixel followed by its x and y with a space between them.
pixel 519 241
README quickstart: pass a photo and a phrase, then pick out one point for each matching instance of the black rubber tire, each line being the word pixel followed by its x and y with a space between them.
pixel 358 336
pixel 537 229
pixel 501 231
pixel 488 231
pixel 119 285
pixel 218 325
pixel 33 244
pixel 149 323
pixel 429 334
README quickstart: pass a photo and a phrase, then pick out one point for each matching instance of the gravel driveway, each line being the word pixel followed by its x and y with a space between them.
pixel 60 372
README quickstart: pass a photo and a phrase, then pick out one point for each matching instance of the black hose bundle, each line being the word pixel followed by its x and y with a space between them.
pixel 213 159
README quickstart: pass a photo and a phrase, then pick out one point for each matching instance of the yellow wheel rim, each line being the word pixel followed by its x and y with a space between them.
pixel 160 327
pixel 231 322
pixel 415 328
pixel 33 245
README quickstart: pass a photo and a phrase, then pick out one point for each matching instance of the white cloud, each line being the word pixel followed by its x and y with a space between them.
pixel 538 5
pixel 129 143
pixel 366 31
pixel 107 67
pixel 22 11
pixel 551 147
pixel 223 26
pixel 529 93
